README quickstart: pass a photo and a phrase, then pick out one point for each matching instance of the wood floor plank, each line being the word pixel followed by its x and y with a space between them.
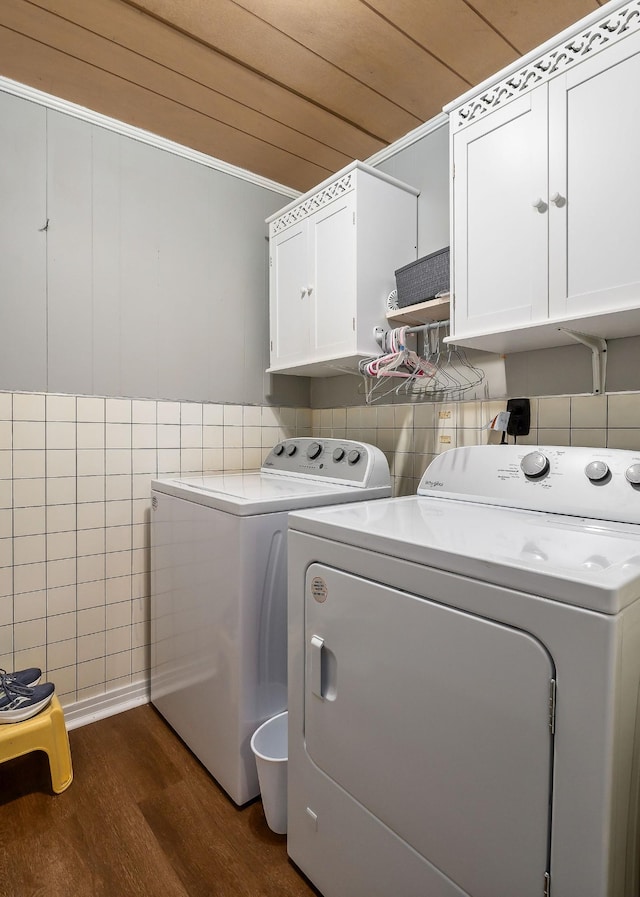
pixel 142 818
pixel 47 863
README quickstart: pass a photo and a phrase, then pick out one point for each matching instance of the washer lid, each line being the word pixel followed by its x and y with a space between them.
pixel 254 492
pixel 587 563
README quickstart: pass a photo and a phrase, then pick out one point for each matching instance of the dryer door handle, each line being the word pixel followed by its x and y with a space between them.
pixel 317 644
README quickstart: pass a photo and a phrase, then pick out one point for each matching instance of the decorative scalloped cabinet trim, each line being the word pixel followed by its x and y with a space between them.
pixel 606 31
pixel 313 203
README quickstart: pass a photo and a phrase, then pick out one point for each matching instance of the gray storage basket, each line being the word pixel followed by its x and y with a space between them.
pixel 423 279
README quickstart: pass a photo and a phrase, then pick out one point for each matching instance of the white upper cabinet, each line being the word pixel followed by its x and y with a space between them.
pixel 332 260
pixel 546 208
pixel 500 237
pixel 594 212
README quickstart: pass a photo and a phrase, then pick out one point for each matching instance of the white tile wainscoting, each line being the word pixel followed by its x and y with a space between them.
pixel 75 476
pixel 411 435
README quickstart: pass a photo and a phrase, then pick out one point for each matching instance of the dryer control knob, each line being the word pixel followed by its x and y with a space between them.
pixel 596 471
pixel 278 449
pixel 633 474
pixel 292 448
pixel 534 465
pixel 354 456
pixel 314 450
pixel 338 454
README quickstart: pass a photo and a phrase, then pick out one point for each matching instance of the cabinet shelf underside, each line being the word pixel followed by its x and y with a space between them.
pixel 615 324
pixel 323 367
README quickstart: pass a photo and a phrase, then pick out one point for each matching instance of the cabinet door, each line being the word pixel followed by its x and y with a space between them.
pixel 332 249
pixel 290 310
pixel 594 128
pixel 500 236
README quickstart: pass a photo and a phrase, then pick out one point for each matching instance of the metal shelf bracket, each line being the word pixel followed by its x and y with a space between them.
pixel 598 348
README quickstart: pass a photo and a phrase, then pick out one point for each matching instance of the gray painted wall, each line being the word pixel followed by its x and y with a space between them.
pixel 23 262
pixel 425 165
pixel 567 370
pixel 150 280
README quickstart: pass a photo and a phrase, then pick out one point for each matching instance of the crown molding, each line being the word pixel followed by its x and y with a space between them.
pixel 34 95
pixel 434 124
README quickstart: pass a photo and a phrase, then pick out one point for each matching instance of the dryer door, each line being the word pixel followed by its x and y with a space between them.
pixel 437 722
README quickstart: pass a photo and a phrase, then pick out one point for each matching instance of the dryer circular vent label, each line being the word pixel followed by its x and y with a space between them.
pixel 319 589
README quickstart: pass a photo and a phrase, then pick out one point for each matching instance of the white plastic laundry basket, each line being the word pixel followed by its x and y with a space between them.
pixel 269 744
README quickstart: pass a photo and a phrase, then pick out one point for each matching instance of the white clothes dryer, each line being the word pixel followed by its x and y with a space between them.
pixel 464 671
pixel 218 593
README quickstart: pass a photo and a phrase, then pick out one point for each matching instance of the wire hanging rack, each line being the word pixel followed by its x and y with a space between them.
pixel 441 371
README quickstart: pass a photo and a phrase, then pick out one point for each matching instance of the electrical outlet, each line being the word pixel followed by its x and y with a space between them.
pixel 519 417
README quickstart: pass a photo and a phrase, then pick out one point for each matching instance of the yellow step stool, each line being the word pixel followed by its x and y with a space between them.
pixel 44 732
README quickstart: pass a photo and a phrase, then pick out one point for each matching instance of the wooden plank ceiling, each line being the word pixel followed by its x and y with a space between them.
pixel 290 89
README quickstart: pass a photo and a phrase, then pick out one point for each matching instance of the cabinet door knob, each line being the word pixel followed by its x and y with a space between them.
pixel 558 200
pixel 303 292
pixel 309 290
pixel 539 204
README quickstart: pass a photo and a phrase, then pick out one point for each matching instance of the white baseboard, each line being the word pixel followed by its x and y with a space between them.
pixel 91 709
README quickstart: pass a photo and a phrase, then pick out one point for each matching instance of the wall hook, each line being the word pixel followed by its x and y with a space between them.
pixel 46 227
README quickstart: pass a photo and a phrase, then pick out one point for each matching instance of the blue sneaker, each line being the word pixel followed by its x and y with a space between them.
pixel 21 702
pixel 28 677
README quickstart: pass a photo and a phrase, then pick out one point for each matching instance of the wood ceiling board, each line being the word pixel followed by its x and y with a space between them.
pixel 453 32
pixel 242 36
pixel 528 23
pixel 133 29
pixel 351 36
pixel 33 63
pixel 103 54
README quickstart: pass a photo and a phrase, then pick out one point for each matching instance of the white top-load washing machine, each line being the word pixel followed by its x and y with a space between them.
pixel 218 593
pixel 464 671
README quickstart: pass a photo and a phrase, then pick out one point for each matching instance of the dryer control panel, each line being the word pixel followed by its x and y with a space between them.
pixel 599 484
pixel 335 460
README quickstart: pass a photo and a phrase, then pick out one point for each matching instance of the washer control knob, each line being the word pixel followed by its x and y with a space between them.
pixel 278 449
pixel 596 471
pixel 633 474
pixel 354 456
pixel 314 450
pixel 534 465
pixel 292 448
pixel 338 454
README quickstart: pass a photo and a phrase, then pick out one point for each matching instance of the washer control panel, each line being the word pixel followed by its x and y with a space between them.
pixel 536 464
pixel 603 484
pixel 336 460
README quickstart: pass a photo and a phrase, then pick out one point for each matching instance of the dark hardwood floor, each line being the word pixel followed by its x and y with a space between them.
pixel 142 818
